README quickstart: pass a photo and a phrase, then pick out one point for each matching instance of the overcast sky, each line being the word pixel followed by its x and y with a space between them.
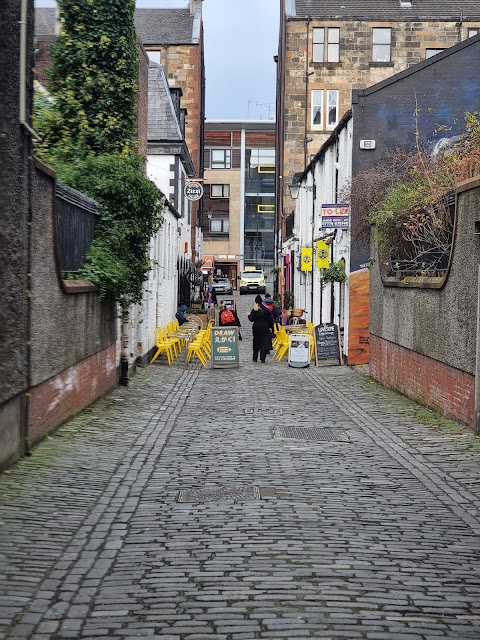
pixel 241 38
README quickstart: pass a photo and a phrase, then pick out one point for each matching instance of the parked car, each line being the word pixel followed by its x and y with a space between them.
pixel 222 285
pixel 252 281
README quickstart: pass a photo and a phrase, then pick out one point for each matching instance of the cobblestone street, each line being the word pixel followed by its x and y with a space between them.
pixel 179 508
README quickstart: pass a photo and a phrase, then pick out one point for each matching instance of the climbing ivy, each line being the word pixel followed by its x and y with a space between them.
pixel 87 126
pixel 93 74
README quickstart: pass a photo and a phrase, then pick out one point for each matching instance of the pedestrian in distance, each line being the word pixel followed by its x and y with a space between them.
pixel 262 329
pixel 228 317
pixel 180 315
pixel 273 308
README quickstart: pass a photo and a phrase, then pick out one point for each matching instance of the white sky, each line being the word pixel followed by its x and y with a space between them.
pixel 241 38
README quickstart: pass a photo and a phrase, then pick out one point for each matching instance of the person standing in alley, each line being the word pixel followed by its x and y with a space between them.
pixel 272 307
pixel 262 329
pixel 228 317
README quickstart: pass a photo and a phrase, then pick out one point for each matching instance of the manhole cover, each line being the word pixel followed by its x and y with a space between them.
pixel 213 494
pixel 312 433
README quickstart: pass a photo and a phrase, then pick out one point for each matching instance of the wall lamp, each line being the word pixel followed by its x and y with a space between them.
pixel 295 187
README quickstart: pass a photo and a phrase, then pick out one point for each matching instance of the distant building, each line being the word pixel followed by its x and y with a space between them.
pixel 173 38
pixel 239 200
pixel 327 48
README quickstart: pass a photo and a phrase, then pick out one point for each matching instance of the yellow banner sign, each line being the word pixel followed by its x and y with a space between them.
pixel 307 259
pixel 323 255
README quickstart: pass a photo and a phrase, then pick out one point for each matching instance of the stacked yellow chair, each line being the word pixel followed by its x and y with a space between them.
pixel 164 345
pixel 201 347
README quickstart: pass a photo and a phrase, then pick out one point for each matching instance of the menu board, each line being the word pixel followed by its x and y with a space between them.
pixel 224 347
pixel 327 342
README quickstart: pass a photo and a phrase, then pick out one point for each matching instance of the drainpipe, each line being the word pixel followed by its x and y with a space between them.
pixel 307 75
pixel 23 74
pixel 477 364
pixel 124 348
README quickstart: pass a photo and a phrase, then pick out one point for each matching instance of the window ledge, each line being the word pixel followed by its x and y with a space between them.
pixel 381 64
pixel 327 65
pixel 78 286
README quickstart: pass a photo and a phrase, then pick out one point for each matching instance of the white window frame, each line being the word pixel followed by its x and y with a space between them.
pixel 326 49
pixel 324 99
pixel 222 225
pixel 317 101
pixel 223 191
pixel 376 57
pixel 332 94
pixel 226 163
pixel 430 52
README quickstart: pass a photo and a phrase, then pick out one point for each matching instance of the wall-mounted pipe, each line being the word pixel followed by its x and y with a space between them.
pixel 22 94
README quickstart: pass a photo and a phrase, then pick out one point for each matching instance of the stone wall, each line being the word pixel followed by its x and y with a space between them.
pixel 15 167
pixel 423 341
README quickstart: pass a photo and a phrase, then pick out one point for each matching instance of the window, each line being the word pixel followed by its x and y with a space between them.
pixel 219 190
pixel 330 109
pixel 221 159
pixel 219 225
pixel 328 51
pixel 317 109
pixel 473 32
pixel 382 44
pixel 431 52
pixel 153 56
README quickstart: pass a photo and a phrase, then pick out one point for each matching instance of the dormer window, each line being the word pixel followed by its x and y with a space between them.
pixel 405 4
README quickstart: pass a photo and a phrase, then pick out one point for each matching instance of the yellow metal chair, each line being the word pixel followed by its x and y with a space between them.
pixel 281 344
pixel 200 347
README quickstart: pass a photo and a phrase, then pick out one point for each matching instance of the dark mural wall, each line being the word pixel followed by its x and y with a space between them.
pixel 15 149
pixel 433 96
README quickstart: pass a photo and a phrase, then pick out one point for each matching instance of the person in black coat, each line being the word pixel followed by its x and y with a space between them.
pixel 262 329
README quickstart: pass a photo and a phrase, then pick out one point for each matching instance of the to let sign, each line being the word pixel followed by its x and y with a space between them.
pixel 224 347
pixel 193 190
pixel 335 216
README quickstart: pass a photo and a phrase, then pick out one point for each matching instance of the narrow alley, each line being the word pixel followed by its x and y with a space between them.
pixel 258 502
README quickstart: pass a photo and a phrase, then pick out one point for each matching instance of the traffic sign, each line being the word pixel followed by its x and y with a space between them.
pixel 193 190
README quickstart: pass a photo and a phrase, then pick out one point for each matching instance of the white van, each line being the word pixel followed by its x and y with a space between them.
pixel 252 281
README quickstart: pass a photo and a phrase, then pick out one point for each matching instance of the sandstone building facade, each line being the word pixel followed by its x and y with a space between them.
pixel 326 49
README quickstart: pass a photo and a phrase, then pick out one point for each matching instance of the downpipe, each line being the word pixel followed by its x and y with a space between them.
pixel 124 349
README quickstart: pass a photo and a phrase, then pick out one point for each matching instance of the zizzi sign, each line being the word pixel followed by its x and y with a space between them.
pixel 335 216
pixel 193 190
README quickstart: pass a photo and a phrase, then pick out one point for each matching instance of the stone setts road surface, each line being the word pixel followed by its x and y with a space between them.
pixel 258 502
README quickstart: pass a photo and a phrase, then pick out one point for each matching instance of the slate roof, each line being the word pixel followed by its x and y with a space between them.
pixel 45 22
pixel 164 26
pixel 385 9
pixel 154 26
pixel 162 120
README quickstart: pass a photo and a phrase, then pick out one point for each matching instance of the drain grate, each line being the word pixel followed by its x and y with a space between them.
pixel 214 494
pixel 312 433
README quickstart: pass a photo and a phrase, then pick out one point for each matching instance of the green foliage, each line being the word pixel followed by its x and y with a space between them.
pixel 87 136
pixel 93 76
pixel 288 300
pixel 130 213
pixel 335 272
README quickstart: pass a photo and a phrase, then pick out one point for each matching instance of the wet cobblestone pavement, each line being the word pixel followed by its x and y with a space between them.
pixel 179 508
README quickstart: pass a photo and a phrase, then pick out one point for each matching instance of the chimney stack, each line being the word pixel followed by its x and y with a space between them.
pixel 195 6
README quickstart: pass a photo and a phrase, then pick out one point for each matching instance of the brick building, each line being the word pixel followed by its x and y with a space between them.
pixel 326 49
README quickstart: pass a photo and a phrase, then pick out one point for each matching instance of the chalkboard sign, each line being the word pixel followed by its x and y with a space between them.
pixel 327 343
pixel 224 347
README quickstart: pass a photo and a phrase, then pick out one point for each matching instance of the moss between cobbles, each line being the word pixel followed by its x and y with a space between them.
pixel 422 414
